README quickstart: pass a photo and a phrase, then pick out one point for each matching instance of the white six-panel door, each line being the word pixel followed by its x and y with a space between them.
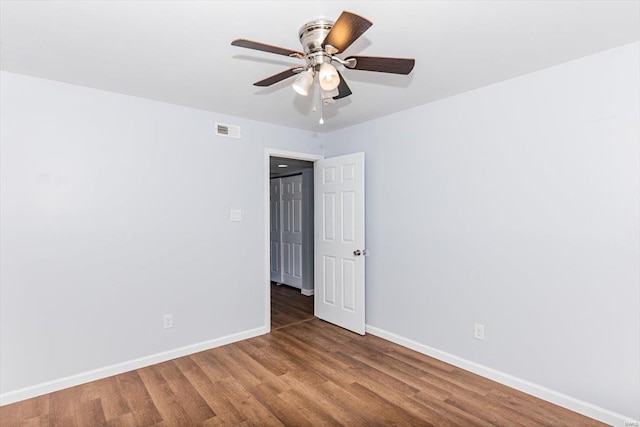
pixel 292 231
pixel 274 221
pixel 339 241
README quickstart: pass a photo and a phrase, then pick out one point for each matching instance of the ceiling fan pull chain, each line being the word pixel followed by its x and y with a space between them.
pixel 315 107
pixel 321 121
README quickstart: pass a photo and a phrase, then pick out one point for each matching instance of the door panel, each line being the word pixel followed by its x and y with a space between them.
pixel 329 216
pixel 286 260
pixel 348 217
pixel 349 285
pixel 339 232
pixel 329 283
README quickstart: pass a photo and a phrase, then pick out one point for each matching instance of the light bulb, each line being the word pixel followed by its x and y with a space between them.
pixel 303 83
pixel 329 79
pixel 321 121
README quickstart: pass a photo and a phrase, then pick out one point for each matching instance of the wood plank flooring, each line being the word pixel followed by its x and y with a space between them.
pixel 289 306
pixel 310 373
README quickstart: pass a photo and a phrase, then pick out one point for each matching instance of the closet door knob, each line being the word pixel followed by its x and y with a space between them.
pixel 357 252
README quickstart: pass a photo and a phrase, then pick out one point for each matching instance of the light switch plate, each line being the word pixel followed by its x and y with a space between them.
pixel 236 215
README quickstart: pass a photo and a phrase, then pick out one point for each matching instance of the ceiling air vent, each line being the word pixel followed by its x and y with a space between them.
pixel 228 130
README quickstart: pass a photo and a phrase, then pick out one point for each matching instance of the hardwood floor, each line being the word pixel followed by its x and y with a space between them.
pixel 308 374
pixel 289 306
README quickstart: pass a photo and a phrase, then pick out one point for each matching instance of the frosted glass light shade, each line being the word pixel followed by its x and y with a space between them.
pixel 329 79
pixel 303 83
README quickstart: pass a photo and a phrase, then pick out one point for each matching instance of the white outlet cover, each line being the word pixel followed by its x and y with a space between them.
pixel 235 215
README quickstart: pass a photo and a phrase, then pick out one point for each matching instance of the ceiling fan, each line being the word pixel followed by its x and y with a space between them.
pixel 322 40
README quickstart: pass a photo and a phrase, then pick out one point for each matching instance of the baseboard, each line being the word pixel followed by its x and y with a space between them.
pixel 306 292
pixel 107 371
pixel 536 390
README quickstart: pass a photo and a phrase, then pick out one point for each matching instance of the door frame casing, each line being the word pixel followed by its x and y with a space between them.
pixel 268 153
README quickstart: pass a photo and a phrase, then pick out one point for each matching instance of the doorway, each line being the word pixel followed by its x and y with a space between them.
pixel 339 228
pixel 290 238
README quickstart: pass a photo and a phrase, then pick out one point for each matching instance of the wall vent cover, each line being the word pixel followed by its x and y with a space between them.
pixel 228 130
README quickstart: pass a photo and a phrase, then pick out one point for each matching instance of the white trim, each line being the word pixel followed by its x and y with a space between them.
pixel 557 398
pixel 119 368
pixel 269 152
pixel 306 292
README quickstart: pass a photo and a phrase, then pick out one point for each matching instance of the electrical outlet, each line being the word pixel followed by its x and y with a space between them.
pixel 478 331
pixel 167 321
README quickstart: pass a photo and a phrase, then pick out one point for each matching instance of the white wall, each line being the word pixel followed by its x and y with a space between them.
pixel 115 211
pixel 516 206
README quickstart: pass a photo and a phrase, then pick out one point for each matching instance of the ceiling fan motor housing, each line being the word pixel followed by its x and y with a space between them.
pixel 312 34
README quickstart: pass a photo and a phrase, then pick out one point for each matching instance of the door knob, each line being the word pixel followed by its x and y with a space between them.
pixel 357 252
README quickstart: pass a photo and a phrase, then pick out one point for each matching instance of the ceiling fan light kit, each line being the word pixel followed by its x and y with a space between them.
pixel 321 41
pixel 303 83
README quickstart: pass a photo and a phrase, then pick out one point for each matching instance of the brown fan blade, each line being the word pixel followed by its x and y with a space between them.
pixel 346 30
pixel 383 65
pixel 249 44
pixel 343 88
pixel 278 77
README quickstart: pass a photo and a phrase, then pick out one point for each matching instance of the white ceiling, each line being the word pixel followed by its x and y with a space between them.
pixel 179 51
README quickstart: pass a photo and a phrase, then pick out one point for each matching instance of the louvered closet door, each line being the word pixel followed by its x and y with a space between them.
pixel 339 241
pixel 292 231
